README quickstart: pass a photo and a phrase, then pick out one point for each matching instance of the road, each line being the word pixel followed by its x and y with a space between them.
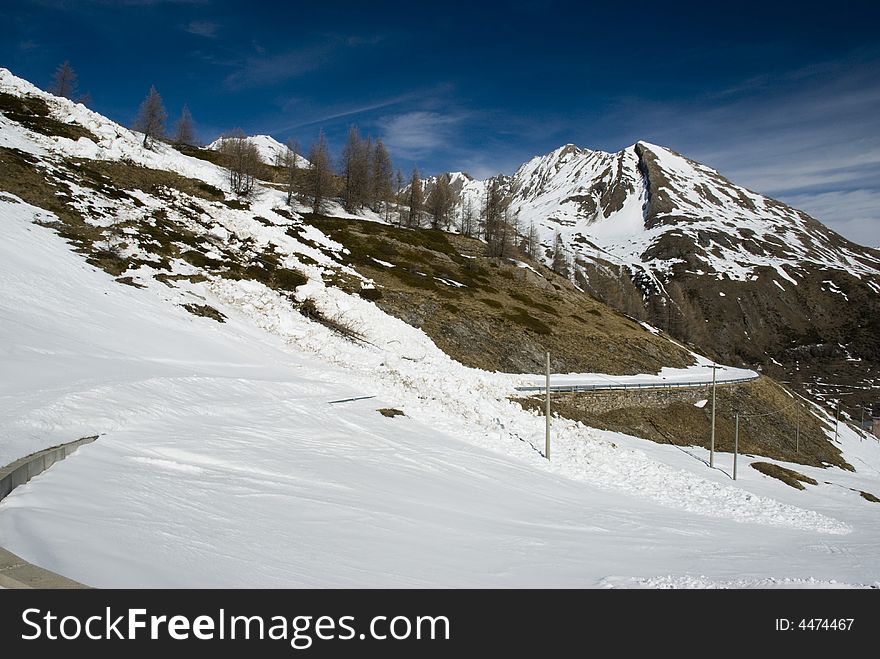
pixel 668 378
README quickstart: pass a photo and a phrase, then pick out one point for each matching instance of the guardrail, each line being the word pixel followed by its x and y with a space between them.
pixel 15 572
pixel 22 470
pixel 571 388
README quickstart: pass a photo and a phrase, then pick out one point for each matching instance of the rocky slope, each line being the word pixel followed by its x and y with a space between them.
pixel 745 277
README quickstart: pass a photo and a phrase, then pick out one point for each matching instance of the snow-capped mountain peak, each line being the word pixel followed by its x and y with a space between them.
pixel 270 149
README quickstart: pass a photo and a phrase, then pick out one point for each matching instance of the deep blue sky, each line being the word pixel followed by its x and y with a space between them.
pixel 780 97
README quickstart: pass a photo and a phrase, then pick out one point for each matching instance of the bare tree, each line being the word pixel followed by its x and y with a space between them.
pixel 439 203
pixel 321 178
pixel 184 130
pixel 531 242
pixel 355 171
pixel 64 81
pixel 499 235
pixel 151 118
pixel 467 217
pixel 382 172
pixel 398 182
pixel 291 168
pixel 560 262
pixel 244 163
pixel 416 199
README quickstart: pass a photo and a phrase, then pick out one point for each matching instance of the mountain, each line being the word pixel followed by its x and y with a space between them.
pixel 673 242
pixel 270 149
pixel 333 399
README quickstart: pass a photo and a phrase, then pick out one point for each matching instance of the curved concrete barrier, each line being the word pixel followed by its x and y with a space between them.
pixel 15 572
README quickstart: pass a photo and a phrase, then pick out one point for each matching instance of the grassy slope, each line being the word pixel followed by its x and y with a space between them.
pixel 504 317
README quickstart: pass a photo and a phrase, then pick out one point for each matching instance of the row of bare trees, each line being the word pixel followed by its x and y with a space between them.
pixel 365 179
pixel 493 221
pixel 151 118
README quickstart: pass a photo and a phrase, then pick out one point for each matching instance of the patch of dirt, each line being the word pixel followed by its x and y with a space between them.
pixel 790 477
pixel 869 497
pixel 205 311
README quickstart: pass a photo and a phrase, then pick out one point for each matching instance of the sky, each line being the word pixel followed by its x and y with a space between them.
pixel 781 98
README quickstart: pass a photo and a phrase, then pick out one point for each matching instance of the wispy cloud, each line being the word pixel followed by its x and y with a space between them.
pixel 309 115
pixel 365 40
pixel 810 138
pixel 351 111
pixel 264 69
pixel 852 213
pixel 259 71
pixel 417 134
pixel 206 29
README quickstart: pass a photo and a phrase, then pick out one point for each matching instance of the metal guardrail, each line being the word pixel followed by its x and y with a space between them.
pixel 22 470
pixel 572 388
pixel 15 572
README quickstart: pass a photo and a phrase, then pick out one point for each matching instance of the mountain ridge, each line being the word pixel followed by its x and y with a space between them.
pixel 674 242
pixel 659 237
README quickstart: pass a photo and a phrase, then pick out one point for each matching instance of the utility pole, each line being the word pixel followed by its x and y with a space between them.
pixel 714 368
pixel 735 445
pixel 547 410
pixel 797 432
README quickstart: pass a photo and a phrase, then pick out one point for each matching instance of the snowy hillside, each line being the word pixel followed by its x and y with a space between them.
pixel 270 149
pixel 452 494
pixel 243 440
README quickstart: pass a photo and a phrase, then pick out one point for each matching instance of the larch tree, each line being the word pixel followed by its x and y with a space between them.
pixel 64 81
pixel 244 162
pixel 560 262
pixel 532 242
pixel 466 225
pixel 439 202
pixel 382 173
pixel 320 175
pixel 416 200
pixel 498 233
pixel 356 171
pixel 184 130
pixel 290 164
pixel 151 118
pixel 398 185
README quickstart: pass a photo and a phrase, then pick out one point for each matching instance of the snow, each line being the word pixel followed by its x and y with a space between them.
pixel 833 288
pixel 198 446
pixel 701 403
pixel 221 461
pixel 697 373
pixel 557 193
pixel 270 149
pixel 450 282
pixel 521 264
